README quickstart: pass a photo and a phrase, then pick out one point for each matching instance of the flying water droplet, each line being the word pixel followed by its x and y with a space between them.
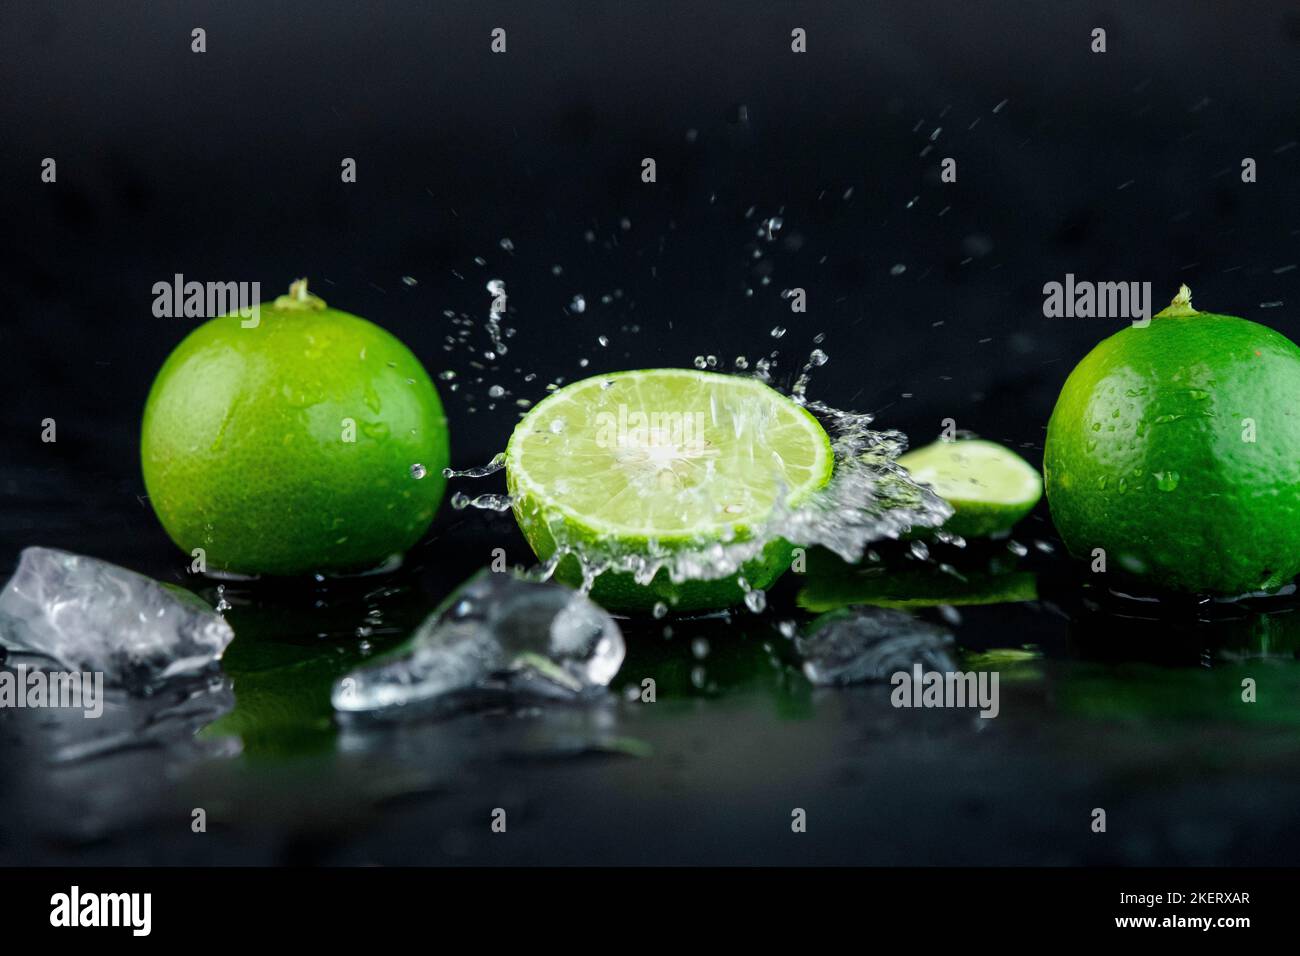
pixel 482 471
pixel 496 309
pixel 501 503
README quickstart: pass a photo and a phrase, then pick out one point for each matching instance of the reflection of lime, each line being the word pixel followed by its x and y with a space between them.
pixel 1175 449
pixel 1144 693
pixel 989 487
pixel 831 582
pixel 661 466
pixel 1011 663
pixel 303 439
pixel 914 587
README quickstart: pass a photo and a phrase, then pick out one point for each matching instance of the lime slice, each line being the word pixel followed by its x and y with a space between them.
pixel 989 487
pixel 649 472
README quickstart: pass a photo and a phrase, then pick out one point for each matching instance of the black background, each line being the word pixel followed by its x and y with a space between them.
pixel 225 166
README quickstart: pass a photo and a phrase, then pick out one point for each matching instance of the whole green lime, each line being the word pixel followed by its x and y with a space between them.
pixel 1174 448
pixel 305 439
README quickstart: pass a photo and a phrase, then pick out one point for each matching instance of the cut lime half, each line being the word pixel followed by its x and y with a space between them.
pixel 989 486
pixel 662 476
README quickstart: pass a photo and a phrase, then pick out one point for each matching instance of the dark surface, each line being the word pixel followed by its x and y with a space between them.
pixel 225 166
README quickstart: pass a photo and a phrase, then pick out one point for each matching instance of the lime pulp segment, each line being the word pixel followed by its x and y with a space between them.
pixel 667 454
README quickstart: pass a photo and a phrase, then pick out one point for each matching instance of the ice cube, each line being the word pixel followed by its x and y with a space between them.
pixel 499 638
pixel 859 644
pixel 86 615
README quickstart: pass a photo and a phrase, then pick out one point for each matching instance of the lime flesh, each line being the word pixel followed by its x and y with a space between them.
pixel 989 487
pixel 653 475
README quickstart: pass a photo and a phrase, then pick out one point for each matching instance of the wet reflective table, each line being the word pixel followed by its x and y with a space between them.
pixel 1104 703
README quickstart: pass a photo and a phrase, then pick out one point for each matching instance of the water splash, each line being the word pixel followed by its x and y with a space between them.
pixel 489 502
pixel 869 498
pixel 497 463
pixel 495 310
pixel 816 359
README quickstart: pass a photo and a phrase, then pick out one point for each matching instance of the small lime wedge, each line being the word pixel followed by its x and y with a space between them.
pixel 650 473
pixel 989 486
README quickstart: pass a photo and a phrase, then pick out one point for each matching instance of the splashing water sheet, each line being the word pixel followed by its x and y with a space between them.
pixel 868 498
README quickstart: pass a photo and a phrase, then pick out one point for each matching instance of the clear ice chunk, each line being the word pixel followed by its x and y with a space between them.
pixel 87 615
pixel 858 644
pixel 499 638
